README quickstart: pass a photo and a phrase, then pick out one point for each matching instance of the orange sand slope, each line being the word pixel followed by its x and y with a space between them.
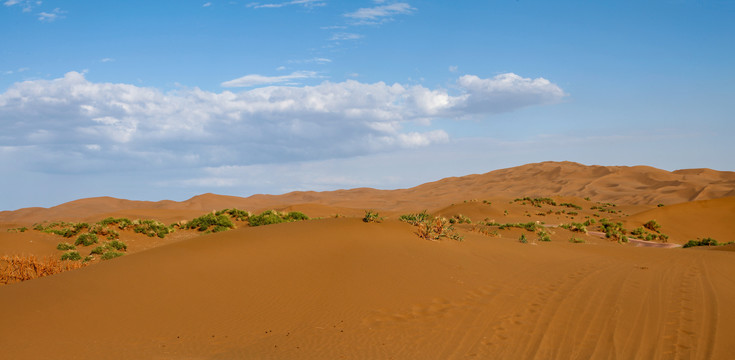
pixel 639 185
pixel 342 288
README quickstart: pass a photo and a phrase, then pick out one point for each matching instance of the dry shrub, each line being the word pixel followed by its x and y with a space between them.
pixel 21 268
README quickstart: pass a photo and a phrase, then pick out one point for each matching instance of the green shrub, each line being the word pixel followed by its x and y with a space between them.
pixel 111 255
pixel 71 255
pixel 240 215
pixel 415 219
pixel 523 239
pixel 537 202
pixel 577 227
pixel 203 223
pixel 570 205
pixel 117 245
pixel 529 226
pixel 372 216
pixel 652 225
pixel 576 240
pixel 151 228
pixel 65 246
pixel 86 239
pixel 702 242
pixel 436 228
pixel 99 250
pixel 543 236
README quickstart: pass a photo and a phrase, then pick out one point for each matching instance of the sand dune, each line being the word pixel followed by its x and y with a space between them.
pixel 338 287
pixel 341 288
pixel 639 185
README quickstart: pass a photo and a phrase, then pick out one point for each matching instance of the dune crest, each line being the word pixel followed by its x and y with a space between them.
pixel 637 185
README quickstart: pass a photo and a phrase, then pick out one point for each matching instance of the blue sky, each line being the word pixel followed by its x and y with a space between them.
pixel 156 100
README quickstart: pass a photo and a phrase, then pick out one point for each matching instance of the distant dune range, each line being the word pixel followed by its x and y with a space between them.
pixel 638 185
pixel 341 288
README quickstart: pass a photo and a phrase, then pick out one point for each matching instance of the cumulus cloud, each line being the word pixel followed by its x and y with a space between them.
pixel 379 14
pixel 26 5
pixel 51 16
pixel 255 79
pixel 304 3
pixel 71 124
pixel 345 36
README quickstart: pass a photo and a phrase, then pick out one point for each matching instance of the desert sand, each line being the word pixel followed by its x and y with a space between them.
pixel 336 287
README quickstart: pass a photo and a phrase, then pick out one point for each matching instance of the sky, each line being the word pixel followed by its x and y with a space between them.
pixel 153 100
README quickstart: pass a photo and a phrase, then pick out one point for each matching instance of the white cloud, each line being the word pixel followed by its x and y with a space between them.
pixel 379 14
pixel 453 68
pixel 26 5
pixel 107 60
pixel 345 36
pixel 51 16
pixel 207 4
pixel 304 3
pixel 70 124
pixel 255 79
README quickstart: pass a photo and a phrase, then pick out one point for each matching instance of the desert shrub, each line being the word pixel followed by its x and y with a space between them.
pixel 65 246
pixel 543 236
pixel 537 202
pixel 99 250
pixel 485 230
pixel 613 231
pixel 204 222
pixel 572 213
pixel 19 229
pixel 117 245
pixel 111 255
pixel 371 216
pixel 529 226
pixel 577 227
pixel 589 222
pixel 269 217
pixel 71 255
pixel 415 219
pixel 86 239
pixel 460 219
pixel 151 228
pixel 652 225
pixel 637 232
pixel 702 242
pixel 663 237
pixel 523 239
pixel 436 228
pixel 240 215
pixel 576 240
pixel 16 268
pixel 570 205
pixel 122 223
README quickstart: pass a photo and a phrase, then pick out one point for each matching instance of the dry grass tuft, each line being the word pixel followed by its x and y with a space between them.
pixel 21 268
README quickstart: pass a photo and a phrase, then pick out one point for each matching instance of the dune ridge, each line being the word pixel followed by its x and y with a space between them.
pixel 637 185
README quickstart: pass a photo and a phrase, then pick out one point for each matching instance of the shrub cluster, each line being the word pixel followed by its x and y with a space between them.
pixel 537 202
pixel 151 228
pixel 613 231
pixel 220 222
pixel 703 242
pixel 269 217
pixel 437 228
pixel 16 268
pixel 240 215
pixel 415 219
pixel 86 239
pixel 577 227
pixel 570 205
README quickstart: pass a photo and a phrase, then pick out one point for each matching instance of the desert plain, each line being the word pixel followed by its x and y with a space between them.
pixel 528 270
